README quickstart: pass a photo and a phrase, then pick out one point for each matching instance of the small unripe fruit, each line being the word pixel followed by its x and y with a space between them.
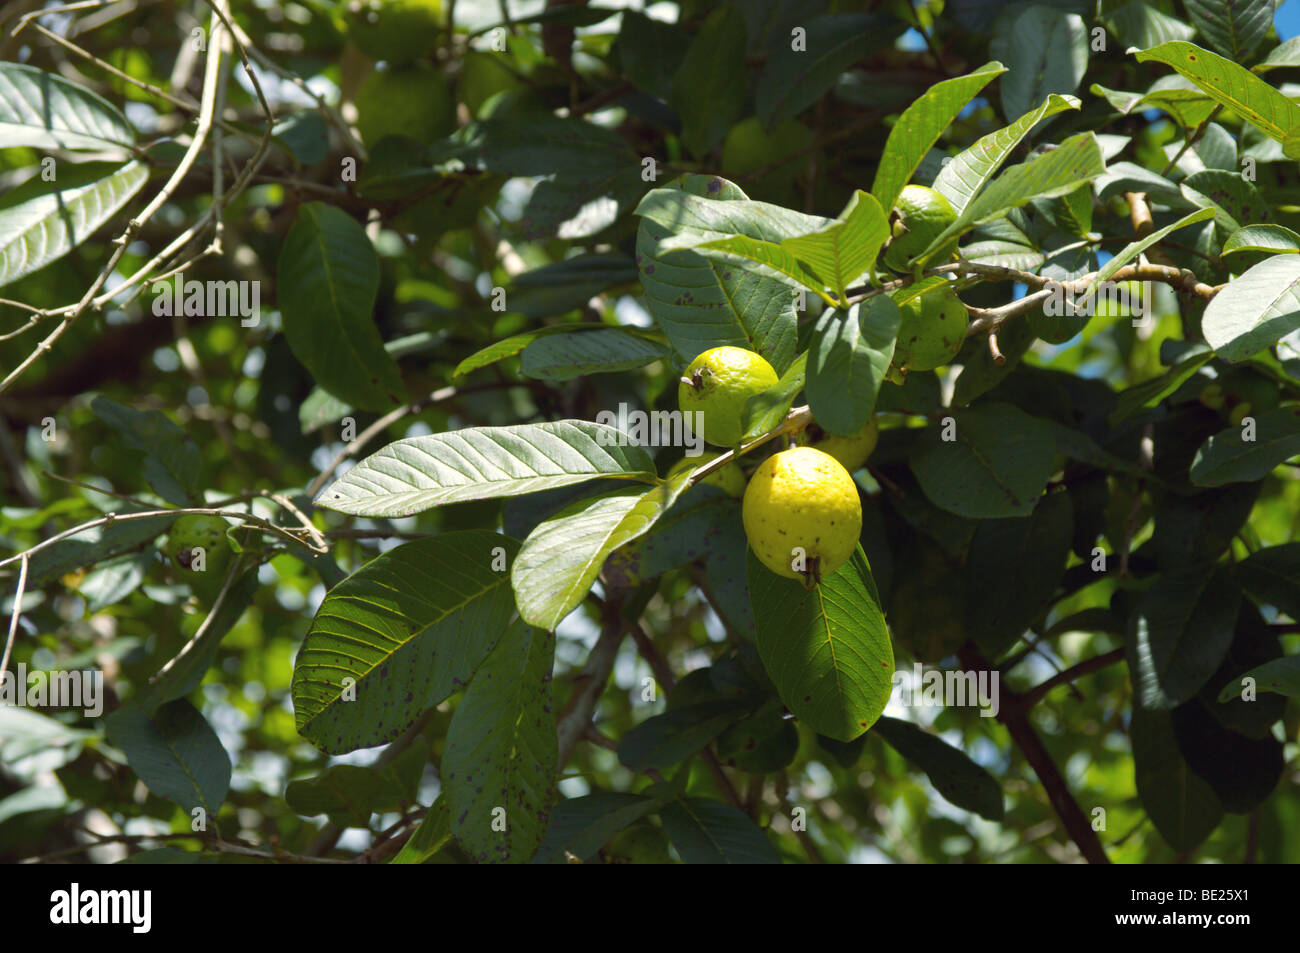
pixel 920 216
pixel 932 330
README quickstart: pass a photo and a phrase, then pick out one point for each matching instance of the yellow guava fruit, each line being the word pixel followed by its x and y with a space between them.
pixel 802 514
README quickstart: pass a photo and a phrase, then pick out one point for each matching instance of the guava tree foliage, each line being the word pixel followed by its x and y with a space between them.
pixel 342 355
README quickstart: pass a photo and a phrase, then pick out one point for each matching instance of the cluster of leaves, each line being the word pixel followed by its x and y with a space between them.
pixel 1078 488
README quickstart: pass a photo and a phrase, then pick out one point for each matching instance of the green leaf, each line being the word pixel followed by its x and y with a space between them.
pixel 793 79
pixel 569 284
pixel 1252 240
pixel 1183 807
pixel 764 411
pixel 580 826
pixel 478 463
pixel 304 135
pixel 1235 28
pixel 831 256
pixel 175 752
pixel 1178 634
pixel 562 557
pixel 590 174
pixel 828 650
pixel 431 836
pixel 954 775
pixel 1243 771
pixel 515 344
pixel 709 89
pixel 1285 54
pixel 1227 457
pixel 1073 163
pixel 1233 200
pixel 667 740
pixel 328 277
pixel 919 128
pixel 40 221
pixel 649 53
pixel 1231 85
pixel 849 356
pixel 710 832
pixel 172 461
pixel 1123 177
pixel 399 635
pixel 1281 675
pixel 1151 392
pixel 966 174
pixel 349 793
pixel 1142 25
pixel 1272 576
pixel 562 357
pixel 701 304
pixel 500 759
pixel 45 111
pixel 845 250
pixel 997 465
pixel 1133 249
pixel 1256 310
pixel 1006 254
pixel 184 672
pixel 996 616
pixel 1045 50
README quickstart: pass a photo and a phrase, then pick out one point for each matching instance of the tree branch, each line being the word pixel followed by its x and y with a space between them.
pixel 1013 715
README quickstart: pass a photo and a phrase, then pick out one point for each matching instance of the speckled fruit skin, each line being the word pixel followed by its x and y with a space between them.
pixel 729 478
pixel 922 214
pixel 802 498
pixel 718 383
pixel 932 331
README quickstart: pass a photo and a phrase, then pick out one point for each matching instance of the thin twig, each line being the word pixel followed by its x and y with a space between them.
pixel 14 616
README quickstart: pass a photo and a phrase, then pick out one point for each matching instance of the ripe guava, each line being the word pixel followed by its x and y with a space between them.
pixel 802 514
pixel 851 450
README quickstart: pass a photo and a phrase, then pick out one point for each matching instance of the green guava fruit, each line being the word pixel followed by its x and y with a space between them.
pixel 919 217
pixel 932 330
pixel 717 384
pixel 412 101
pixel 395 31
